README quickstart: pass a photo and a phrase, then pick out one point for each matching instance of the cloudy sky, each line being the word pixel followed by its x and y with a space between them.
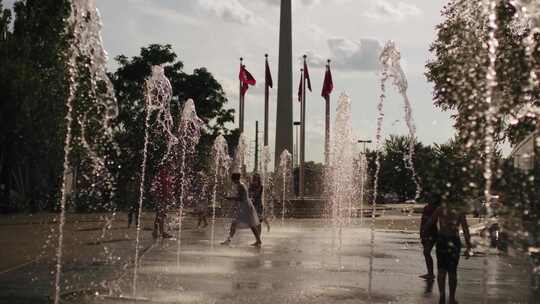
pixel 215 33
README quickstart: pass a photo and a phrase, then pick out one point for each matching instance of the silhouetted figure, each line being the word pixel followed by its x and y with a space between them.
pixel 133 196
pixel 133 214
pixel 201 200
pixel 246 216
pixel 449 247
pixel 162 186
pixel 256 194
pixel 428 238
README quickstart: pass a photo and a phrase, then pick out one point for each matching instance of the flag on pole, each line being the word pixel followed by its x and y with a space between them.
pixel 306 75
pixel 268 76
pixel 246 79
pixel 300 86
pixel 328 84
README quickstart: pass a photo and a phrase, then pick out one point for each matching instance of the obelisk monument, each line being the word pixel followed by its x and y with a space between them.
pixel 284 117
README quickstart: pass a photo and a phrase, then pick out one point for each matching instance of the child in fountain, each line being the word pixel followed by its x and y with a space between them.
pixel 256 194
pixel 448 246
pixel 246 215
pixel 162 193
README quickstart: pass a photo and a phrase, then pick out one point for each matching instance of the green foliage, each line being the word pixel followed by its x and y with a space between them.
pixel 314 179
pixel 33 90
pixel 32 95
pixel 92 145
pixel 459 70
pixel 201 86
pixel 455 177
pixel 444 172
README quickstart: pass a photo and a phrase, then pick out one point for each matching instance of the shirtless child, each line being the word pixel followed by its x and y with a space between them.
pixel 428 238
pixel 448 247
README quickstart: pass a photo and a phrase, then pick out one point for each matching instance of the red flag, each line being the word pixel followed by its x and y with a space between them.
pixel 246 79
pixel 328 84
pixel 300 88
pixel 306 76
pixel 268 76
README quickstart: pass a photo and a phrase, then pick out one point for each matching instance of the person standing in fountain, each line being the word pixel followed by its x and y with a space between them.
pixel 428 238
pixel 162 193
pixel 256 194
pixel 448 247
pixel 131 193
pixel 246 215
pixel 202 202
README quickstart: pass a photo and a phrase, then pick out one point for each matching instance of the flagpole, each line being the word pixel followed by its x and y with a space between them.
pixel 241 102
pixel 256 165
pixel 303 134
pixel 327 125
pixel 266 102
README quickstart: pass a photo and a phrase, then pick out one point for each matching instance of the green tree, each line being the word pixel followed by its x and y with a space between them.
pixel 395 176
pixel 32 95
pixel 455 178
pixel 201 86
pixel 458 71
pixel 314 179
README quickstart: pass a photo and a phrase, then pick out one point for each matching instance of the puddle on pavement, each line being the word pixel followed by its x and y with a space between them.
pixel 342 293
pixel 255 285
pixel 107 242
pixel 187 269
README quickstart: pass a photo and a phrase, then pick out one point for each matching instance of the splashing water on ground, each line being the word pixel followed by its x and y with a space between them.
pixel 87 44
pixel 285 174
pixel 340 176
pixel 391 70
pixel 390 60
pixel 268 202
pixel 221 164
pixel 362 180
pixel 158 94
pixel 240 154
pixel 490 10
pixel 189 132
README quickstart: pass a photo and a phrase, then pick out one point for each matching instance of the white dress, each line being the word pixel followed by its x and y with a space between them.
pixel 246 215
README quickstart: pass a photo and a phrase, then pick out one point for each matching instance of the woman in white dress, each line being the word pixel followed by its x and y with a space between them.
pixel 246 215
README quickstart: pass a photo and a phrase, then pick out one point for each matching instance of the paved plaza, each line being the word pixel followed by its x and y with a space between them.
pixel 301 261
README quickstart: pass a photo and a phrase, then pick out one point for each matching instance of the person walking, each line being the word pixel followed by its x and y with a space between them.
pixel 246 215
pixel 256 194
pixel 428 238
pixel 448 247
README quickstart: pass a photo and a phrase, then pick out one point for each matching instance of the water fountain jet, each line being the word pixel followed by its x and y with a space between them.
pixel 285 173
pixel 189 133
pixel 221 164
pixel 340 176
pixel 158 94
pixel 85 23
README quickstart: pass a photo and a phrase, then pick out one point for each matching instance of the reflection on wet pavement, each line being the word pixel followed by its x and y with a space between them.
pixel 294 265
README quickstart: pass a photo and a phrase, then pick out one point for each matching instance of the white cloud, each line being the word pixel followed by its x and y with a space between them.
pixel 385 11
pixel 230 11
pixel 303 2
pixel 273 2
pixel 346 54
pixel 310 2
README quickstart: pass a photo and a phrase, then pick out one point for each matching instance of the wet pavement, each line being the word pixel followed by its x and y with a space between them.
pixel 302 261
